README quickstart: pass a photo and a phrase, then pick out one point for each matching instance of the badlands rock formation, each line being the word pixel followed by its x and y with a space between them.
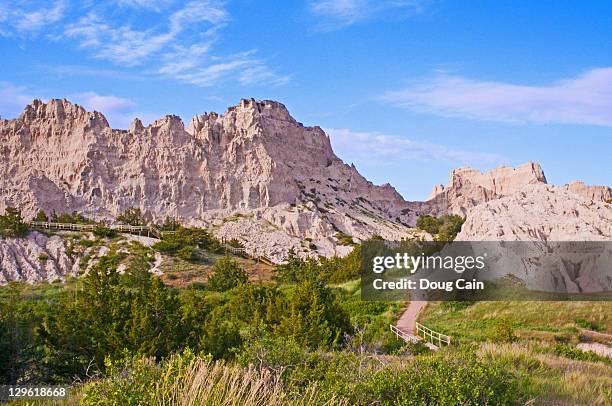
pixel 539 213
pixel 468 187
pixel 35 258
pixel 257 175
pixel 595 193
pixel 547 216
pixel 253 173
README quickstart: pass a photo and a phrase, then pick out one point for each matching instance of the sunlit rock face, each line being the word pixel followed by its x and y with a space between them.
pixel 255 160
pixel 256 174
pixel 468 187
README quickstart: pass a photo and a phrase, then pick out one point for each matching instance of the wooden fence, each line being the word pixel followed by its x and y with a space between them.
pixel 409 338
pixel 437 339
pixel 149 231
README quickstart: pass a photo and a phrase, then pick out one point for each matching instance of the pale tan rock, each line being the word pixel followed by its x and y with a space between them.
pixel 546 215
pixel 596 193
pixel 468 187
pixel 539 213
pixel 35 258
pixel 254 159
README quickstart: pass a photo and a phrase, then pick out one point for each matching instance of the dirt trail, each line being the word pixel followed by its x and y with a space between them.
pixel 407 322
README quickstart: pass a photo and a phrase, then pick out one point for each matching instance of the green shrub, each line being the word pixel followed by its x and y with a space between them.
pixel 86 243
pixel 587 324
pixel 101 231
pixel 12 224
pixel 72 218
pixel 436 380
pixel 344 239
pixel 226 275
pixel 170 224
pixel 131 216
pixel 43 257
pixel 41 216
pixel 188 380
pixel 502 331
pixel 573 352
pixel 444 228
pixel 186 237
pixel 428 223
pixel 188 253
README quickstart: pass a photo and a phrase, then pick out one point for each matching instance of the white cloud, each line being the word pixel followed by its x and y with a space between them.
pixel 383 149
pixel 121 45
pixel 16 18
pixel 119 112
pixel 13 99
pixel 181 47
pixel 155 5
pixel 339 13
pixel 244 67
pixel 177 41
pixel 584 99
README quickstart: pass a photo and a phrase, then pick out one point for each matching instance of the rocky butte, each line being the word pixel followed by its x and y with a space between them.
pixel 255 174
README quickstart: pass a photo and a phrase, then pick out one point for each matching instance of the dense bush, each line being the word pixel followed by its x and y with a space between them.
pixel 502 331
pixel 428 223
pixel 444 228
pixel 102 231
pixel 72 218
pixel 131 216
pixel 12 224
pixel 226 275
pixel 195 238
pixel 331 270
pixel 41 216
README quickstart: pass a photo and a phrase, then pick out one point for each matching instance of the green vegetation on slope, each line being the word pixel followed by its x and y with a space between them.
pixel 305 337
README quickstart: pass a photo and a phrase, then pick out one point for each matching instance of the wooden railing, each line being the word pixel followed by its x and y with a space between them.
pixel 437 339
pixel 409 338
pixel 122 228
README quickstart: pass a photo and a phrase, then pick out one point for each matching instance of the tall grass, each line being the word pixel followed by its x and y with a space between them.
pixel 194 381
pixel 205 383
pixel 551 378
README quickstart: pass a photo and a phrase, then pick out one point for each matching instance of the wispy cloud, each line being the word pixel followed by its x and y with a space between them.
pixel 244 67
pixel 155 5
pixel 178 40
pixel 15 18
pixel 584 99
pixel 384 149
pixel 126 46
pixel 334 14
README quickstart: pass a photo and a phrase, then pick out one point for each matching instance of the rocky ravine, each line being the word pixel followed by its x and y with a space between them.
pixel 253 173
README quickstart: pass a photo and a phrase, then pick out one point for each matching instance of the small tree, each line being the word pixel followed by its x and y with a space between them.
pixel 170 224
pixel 11 224
pixel 428 223
pixel 41 216
pixel 131 216
pixel 292 271
pixel 450 226
pixel 226 275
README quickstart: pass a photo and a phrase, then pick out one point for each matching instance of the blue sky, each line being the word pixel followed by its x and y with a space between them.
pixel 407 89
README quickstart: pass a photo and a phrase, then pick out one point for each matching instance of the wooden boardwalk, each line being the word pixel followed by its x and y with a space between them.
pixel 149 231
pixel 242 251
